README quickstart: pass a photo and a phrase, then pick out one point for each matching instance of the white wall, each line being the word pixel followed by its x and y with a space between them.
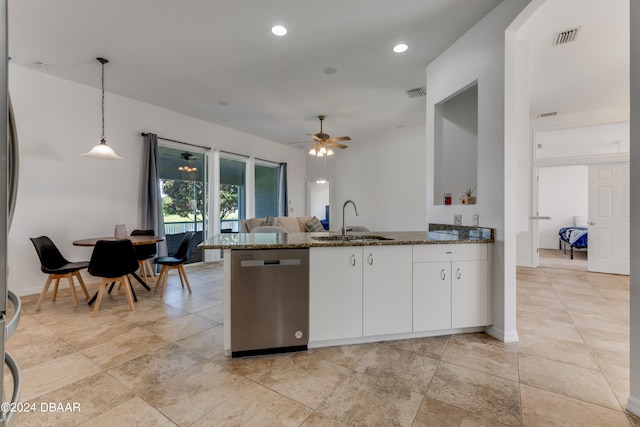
pixel 384 176
pixel 563 192
pixel 479 56
pixel 69 197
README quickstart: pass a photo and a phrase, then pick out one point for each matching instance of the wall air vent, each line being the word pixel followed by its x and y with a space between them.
pixel 552 113
pixel 566 36
pixel 417 92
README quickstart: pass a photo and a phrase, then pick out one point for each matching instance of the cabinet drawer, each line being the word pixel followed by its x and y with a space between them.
pixel 450 252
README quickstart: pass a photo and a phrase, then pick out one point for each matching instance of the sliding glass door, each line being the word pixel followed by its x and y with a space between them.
pixel 233 189
pixel 183 176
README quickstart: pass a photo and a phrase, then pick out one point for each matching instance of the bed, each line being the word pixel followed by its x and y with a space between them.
pixel 575 237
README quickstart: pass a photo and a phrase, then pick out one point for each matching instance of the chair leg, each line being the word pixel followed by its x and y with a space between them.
pixel 162 278
pixel 84 288
pixel 72 287
pixel 183 274
pixel 96 305
pixel 55 288
pixel 47 283
pixel 148 267
pixel 127 290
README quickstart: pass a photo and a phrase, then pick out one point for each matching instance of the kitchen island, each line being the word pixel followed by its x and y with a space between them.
pixel 376 286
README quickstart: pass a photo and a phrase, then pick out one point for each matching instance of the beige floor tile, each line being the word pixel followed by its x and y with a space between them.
pixel 176 329
pixel 607 339
pixel 363 400
pixel 483 353
pixel 155 367
pixel 608 322
pixel 579 383
pixel 405 369
pixel 614 362
pixel 432 347
pixel 133 412
pixel 207 343
pixel 215 313
pixel 195 391
pixel 620 387
pixel 569 352
pixel 318 420
pixel 256 406
pixel 544 408
pixel 435 413
pixel 304 378
pixel 54 374
pixel 92 396
pixel 544 323
pixel 123 348
pixel 88 336
pixel 253 367
pixel 491 397
pixel 33 344
pixel 348 356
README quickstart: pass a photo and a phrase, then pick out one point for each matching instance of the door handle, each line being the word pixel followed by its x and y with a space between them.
pixel 443 275
pixel 370 258
pixel 458 274
pixel 592 223
pixel 352 260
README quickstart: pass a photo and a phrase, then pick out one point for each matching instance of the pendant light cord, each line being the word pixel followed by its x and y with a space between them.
pixel 102 61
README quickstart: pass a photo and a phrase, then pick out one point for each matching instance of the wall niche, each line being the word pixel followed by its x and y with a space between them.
pixel 456 145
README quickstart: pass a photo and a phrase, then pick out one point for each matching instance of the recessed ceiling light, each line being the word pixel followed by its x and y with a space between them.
pixel 223 103
pixel 400 47
pixel 329 70
pixel 279 30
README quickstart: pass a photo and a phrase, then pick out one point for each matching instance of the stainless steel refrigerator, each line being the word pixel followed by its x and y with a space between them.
pixel 9 303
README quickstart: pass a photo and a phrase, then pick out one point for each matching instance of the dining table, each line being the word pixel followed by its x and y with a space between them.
pixel 135 240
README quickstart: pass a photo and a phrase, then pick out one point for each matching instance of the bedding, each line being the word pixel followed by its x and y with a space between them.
pixel 576 237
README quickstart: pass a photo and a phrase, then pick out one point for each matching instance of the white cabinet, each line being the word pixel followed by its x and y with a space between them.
pixel 450 286
pixel 387 293
pixel 431 296
pixel 335 293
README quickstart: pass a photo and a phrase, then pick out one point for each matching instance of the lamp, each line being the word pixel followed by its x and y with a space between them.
pixel 102 150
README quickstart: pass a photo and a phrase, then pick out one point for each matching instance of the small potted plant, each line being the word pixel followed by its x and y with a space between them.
pixel 468 198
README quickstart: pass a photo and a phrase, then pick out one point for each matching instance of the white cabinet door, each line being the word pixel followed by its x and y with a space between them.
pixel 431 296
pixel 469 294
pixel 335 293
pixel 387 290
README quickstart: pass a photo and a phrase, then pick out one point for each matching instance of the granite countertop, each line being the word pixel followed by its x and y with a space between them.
pixel 437 234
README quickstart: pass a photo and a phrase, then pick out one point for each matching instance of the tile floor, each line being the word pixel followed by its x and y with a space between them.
pixel 162 365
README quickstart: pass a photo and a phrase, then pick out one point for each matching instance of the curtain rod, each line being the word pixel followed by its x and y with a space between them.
pixel 180 142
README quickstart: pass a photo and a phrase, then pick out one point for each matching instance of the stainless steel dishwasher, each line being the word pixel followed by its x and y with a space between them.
pixel 269 301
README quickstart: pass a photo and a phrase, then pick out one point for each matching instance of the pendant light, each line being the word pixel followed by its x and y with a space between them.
pixel 102 150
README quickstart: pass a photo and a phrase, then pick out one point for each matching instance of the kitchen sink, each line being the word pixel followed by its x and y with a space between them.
pixel 350 238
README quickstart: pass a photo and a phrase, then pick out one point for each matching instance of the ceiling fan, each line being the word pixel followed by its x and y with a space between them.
pixel 324 142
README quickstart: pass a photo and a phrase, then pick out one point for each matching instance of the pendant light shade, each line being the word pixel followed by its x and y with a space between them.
pixel 102 150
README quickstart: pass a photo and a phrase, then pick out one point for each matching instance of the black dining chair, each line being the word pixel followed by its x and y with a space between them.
pixel 57 266
pixel 175 261
pixel 145 253
pixel 113 261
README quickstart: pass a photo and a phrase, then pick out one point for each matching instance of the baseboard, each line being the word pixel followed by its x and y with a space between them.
pixel 497 333
pixel 633 405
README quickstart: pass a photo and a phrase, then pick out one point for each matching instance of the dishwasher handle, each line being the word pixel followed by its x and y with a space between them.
pixel 269 262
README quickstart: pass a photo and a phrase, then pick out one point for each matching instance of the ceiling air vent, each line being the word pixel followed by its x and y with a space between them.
pixel 417 92
pixel 566 36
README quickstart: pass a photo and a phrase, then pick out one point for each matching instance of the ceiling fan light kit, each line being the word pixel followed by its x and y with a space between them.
pixel 324 143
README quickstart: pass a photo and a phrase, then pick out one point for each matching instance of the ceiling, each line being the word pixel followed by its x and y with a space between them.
pixel 217 60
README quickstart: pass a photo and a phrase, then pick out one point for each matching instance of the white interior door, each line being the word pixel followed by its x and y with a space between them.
pixel 609 232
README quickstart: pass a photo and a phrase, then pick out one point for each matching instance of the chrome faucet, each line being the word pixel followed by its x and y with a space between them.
pixel 343 230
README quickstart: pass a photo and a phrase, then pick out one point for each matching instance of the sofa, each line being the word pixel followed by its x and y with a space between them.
pixel 293 224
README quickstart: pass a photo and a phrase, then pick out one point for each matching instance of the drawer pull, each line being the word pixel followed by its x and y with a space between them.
pixel 459 273
pixel 443 275
pixel 451 252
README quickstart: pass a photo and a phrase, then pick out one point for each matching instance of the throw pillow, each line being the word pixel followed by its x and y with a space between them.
pixel 254 222
pixel 270 221
pixel 314 225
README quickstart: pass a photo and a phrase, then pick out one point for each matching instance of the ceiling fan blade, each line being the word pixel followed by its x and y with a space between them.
pixel 339 138
pixel 315 138
pixel 335 144
pixel 301 142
